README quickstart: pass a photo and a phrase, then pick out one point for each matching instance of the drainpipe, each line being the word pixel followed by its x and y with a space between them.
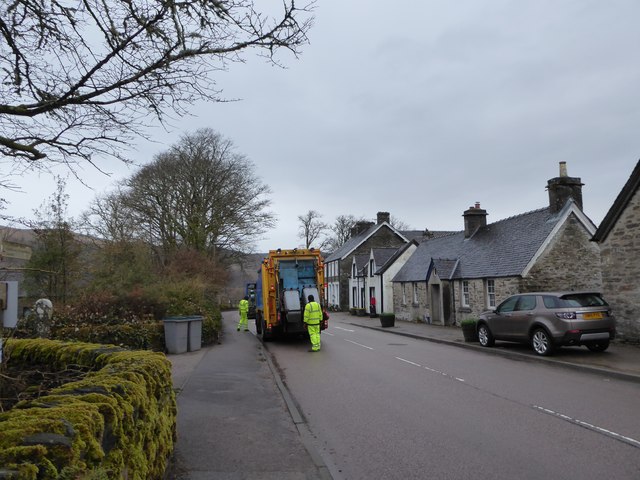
pixel 453 297
pixel 381 294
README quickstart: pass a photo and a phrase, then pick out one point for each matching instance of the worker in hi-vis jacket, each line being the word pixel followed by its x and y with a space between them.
pixel 312 319
pixel 243 308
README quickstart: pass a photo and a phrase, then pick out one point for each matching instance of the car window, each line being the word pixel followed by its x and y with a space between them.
pixel 551 301
pixel 508 305
pixel 526 302
pixel 582 300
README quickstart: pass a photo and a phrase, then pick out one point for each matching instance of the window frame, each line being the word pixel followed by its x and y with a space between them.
pixel 466 293
pixel 491 293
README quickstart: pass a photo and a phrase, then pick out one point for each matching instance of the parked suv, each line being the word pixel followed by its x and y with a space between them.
pixel 548 320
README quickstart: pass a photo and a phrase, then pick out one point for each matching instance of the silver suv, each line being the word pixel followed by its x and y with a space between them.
pixel 548 320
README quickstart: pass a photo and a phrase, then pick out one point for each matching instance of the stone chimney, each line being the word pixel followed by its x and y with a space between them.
pixel 563 188
pixel 360 227
pixel 383 217
pixel 474 218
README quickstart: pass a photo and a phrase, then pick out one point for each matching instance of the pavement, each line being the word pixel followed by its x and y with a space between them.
pixel 232 403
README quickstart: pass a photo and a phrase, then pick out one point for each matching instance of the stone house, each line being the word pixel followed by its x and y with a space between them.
pixel 619 238
pixel 371 276
pixel 339 265
pixel 460 275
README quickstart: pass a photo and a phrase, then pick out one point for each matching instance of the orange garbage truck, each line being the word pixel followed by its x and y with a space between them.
pixel 285 280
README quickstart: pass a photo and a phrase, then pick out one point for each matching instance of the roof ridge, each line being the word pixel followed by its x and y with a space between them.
pixel 537 210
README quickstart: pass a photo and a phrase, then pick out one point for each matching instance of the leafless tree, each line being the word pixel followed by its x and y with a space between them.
pixel 312 230
pixel 200 195
pixel 399 224
pixel 342 230
pixel 80 79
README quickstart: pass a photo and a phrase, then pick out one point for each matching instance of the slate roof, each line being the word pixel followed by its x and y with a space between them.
pixel 619 205
pixel 501 249
pixel 422 235
pixel 399 251
pixel 382 255
pixel 445 267
pixel 354 242
pixel 362 261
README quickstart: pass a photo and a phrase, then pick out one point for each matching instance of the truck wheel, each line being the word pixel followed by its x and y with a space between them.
pixel 266 337
pixel 258 323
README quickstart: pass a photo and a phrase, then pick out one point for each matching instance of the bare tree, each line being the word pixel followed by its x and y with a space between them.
pixel 312 230
pixel 342 230
pixel 81 78
pixel 109 219
pixel 399 224
pixel 200 195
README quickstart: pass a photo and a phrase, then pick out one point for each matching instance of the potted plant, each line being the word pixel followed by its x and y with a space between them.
pixel 361 312
pixel 387 319
pixel 352 311
pixel 469 329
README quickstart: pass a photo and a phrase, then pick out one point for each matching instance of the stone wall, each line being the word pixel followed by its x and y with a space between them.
pixel 478 295
pixel 570 262
pixel 410 311
pixel 620 254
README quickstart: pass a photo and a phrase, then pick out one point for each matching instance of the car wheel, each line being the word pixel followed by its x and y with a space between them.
pixel 541 342
pixel 600 346
pixel 485 337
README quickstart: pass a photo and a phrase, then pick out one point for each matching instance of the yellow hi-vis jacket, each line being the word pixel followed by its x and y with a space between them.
pixel 312 313
pixel 243 306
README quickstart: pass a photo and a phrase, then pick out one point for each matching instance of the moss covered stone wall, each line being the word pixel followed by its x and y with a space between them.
pixel 118 421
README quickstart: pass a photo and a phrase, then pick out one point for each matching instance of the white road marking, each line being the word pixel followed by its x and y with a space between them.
pixel 595 428
pixel 345 329
pixel 430 369
pixel 327 333
pixel 407 361
pixel 359 344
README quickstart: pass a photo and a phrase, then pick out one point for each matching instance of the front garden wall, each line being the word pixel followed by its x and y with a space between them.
pixel 119 421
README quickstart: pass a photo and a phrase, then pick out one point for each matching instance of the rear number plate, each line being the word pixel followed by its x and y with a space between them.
pixel 592 315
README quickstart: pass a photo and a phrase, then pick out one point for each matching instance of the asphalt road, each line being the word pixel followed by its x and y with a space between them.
pixel 386 407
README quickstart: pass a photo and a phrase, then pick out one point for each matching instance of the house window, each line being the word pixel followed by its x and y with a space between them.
pixel 353 271
pixel 415 293
pixel 371 268
pixel 491 293
pixel 466 299
pixel 354 297
pixel 404 293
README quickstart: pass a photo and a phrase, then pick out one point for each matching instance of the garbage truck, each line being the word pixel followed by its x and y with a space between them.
pixel 285 280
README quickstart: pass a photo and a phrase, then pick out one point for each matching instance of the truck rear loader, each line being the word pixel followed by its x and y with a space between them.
pixel 285 281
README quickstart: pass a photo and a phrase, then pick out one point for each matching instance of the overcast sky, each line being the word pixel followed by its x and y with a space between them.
pixel 421 108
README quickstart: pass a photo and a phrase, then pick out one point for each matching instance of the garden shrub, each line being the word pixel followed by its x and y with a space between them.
pixel 133 320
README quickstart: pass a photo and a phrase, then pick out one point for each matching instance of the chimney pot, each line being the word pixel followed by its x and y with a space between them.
pixel 563 169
